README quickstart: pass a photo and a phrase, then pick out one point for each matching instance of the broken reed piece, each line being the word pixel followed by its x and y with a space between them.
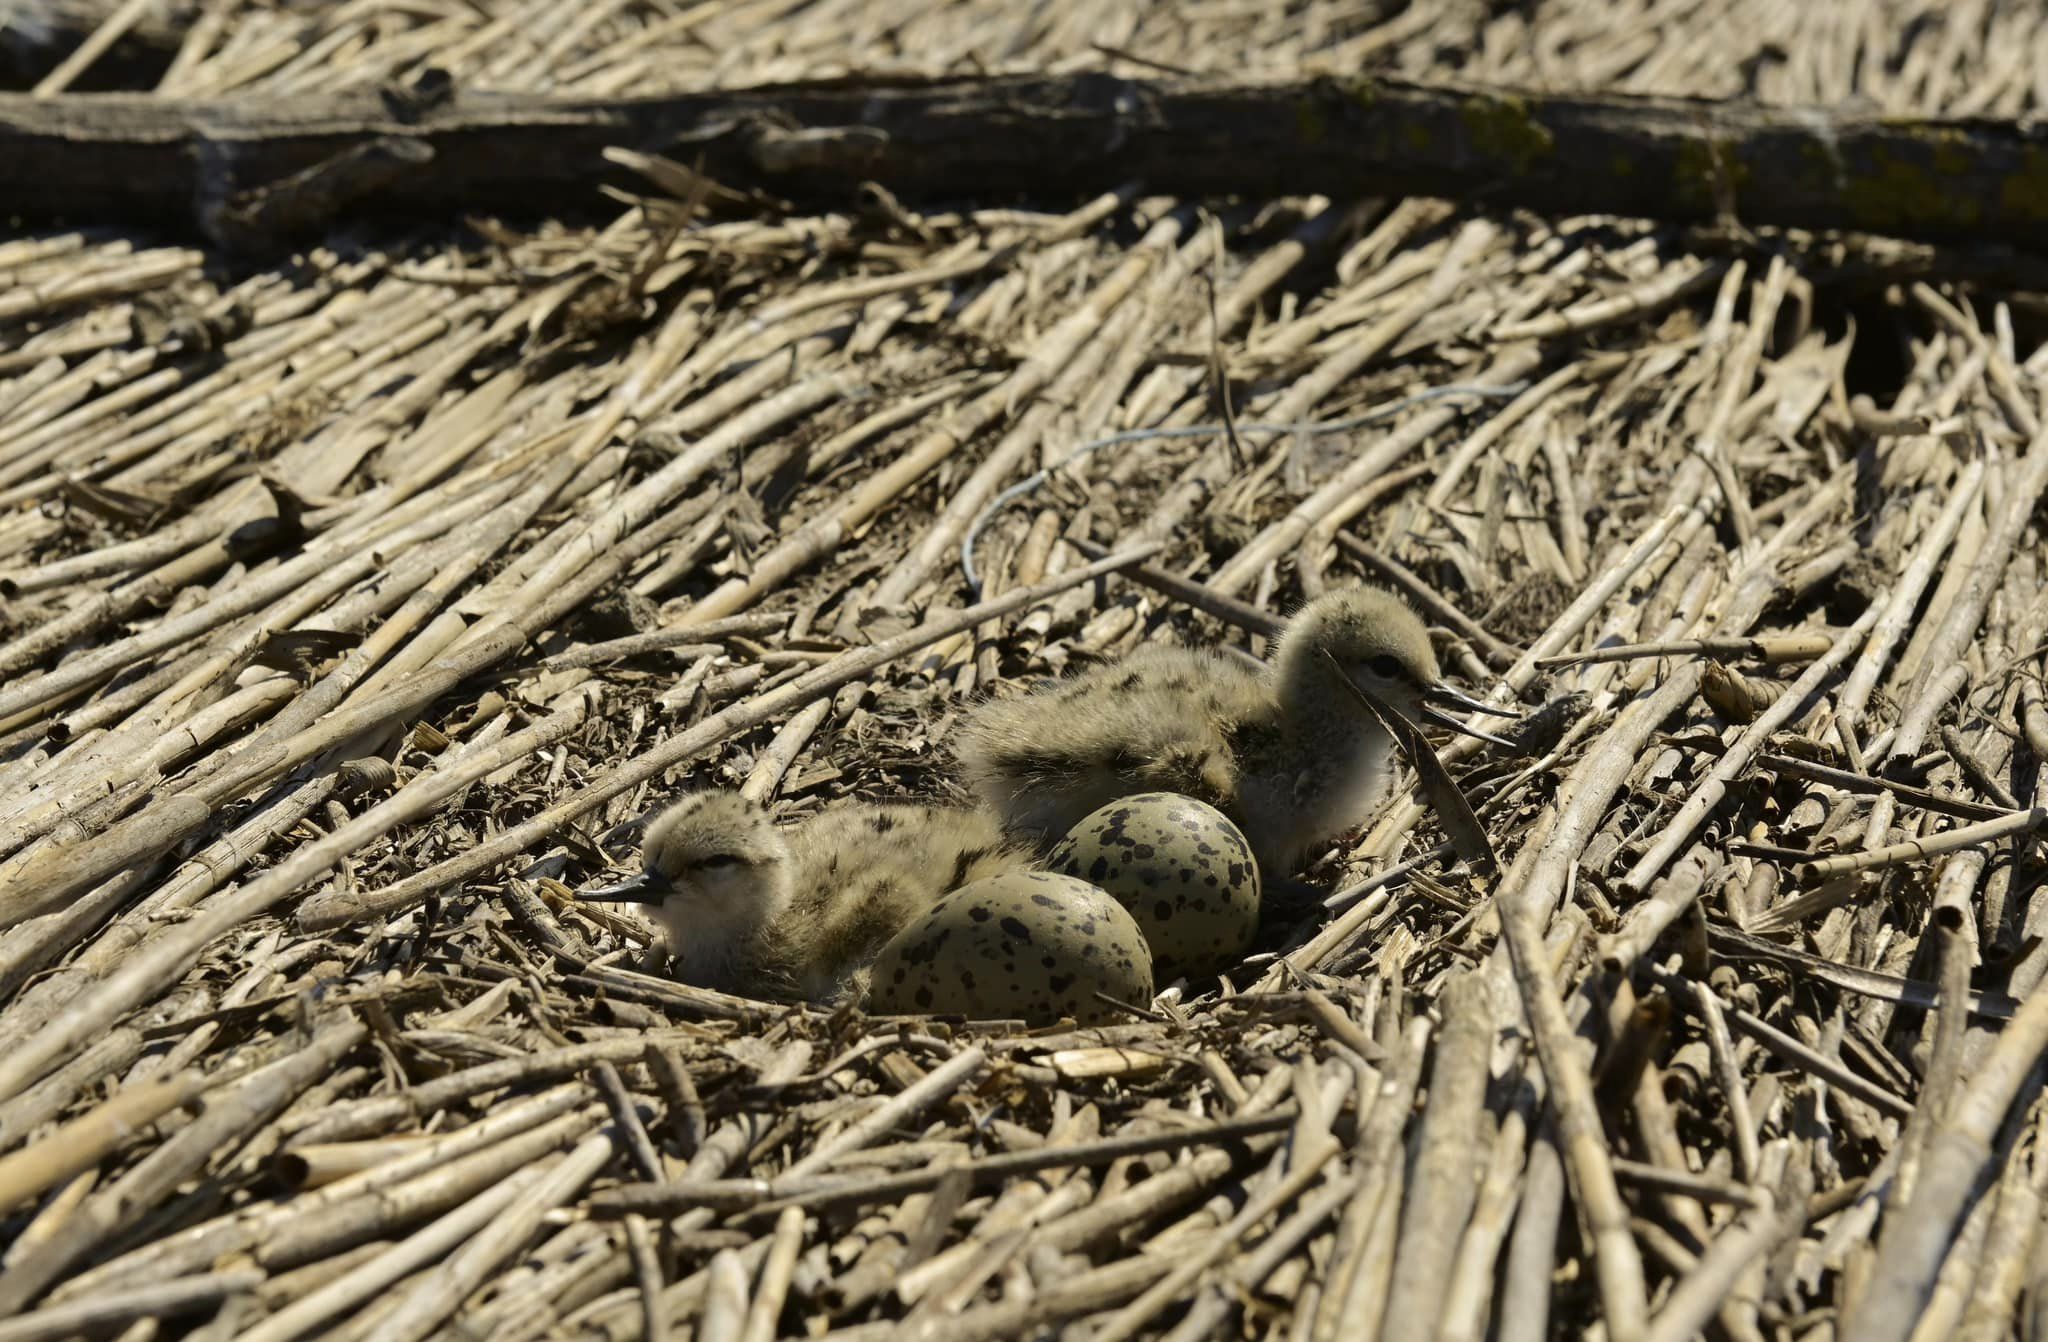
pixel 1957 1157
pixel 1771 650
pixel 1879 423
pixel 1790 913
pixel 1302 1165
pixel 771 1196
pixel 314 1166
pixel 1698 1187
pixel 1330 1018
pixel 1080 1064
pixel 1809 771
pixel 1190 592
pixel 1736 697
pixel 88 1139
pixel 2033 821
pixel 2034 717
pixel 1789 1049
pixel 681 644
pixel 436 1172
pixel 1730 944
pixel 1442 1177
pixel 1974 771
pixel 1777 1212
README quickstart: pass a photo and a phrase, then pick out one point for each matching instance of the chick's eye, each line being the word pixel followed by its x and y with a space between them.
pixel 719 862
pixel 1386 668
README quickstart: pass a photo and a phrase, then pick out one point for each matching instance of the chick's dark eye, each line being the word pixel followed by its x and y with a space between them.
pixel 719 861
pixel 1386 668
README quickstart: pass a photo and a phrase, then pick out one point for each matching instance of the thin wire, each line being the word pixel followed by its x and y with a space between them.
pixel 1304 428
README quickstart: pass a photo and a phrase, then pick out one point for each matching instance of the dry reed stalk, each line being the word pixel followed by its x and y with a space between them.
pixel 1285 536
pixel 113 1052
pixel 1525 1294
pixel 189 1251
pixel 308 581
pixel 1810 1060
pixel 1469 1288
pixel 395 1262
pixel 422 1309
pixel 1616 1258
pixel 1377 1140
pixel 207 870
pixel 1755 1233
pixel 2002 1266
pixel 1220 1302
pixel 1303 1170
pixel 1648 921
pixel 244 1105
pixel 1061 363
pixel 172 952
pixel 764 1310
pixel 314 1166
pixel 145 1304
pixel 1949 841
pixel 82 1143
pixel 1911 1248
pixel 1444 1179
pixel 793 1188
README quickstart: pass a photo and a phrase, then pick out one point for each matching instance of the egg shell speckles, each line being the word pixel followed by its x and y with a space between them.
pixel 1181 867
pixel 1028 946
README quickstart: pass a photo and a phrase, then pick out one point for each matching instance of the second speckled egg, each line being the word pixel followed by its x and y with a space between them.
pixel 1181 867
pixel 1027 946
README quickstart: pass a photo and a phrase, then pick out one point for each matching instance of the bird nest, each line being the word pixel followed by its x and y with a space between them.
pixel 355 609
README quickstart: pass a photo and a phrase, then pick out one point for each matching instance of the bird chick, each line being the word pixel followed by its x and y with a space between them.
pixel 1288 754
pixel 760 910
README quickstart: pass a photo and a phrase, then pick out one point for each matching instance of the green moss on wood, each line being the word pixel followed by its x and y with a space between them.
pixel 2024 192
pixel 1362 90
pixel 1951 152
pixel 1310 124
pixel 1702 169
pixel 1893 190
pixel 1501 127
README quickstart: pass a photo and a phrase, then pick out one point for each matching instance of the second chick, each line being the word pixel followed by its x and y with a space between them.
pixel 767 911
pixel 1289 755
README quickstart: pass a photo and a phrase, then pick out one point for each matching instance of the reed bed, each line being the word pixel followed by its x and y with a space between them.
pixel 356 608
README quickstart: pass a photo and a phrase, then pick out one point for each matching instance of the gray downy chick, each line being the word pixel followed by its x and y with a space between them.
pixel 800 912
pixel 1288 754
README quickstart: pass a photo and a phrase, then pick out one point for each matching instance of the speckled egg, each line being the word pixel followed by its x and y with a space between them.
pixel 1026 945
pixel 1183 870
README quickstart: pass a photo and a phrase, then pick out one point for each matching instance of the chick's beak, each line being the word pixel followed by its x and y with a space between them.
pixel 1463 728
pixel 1441 693
pixel 646 888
